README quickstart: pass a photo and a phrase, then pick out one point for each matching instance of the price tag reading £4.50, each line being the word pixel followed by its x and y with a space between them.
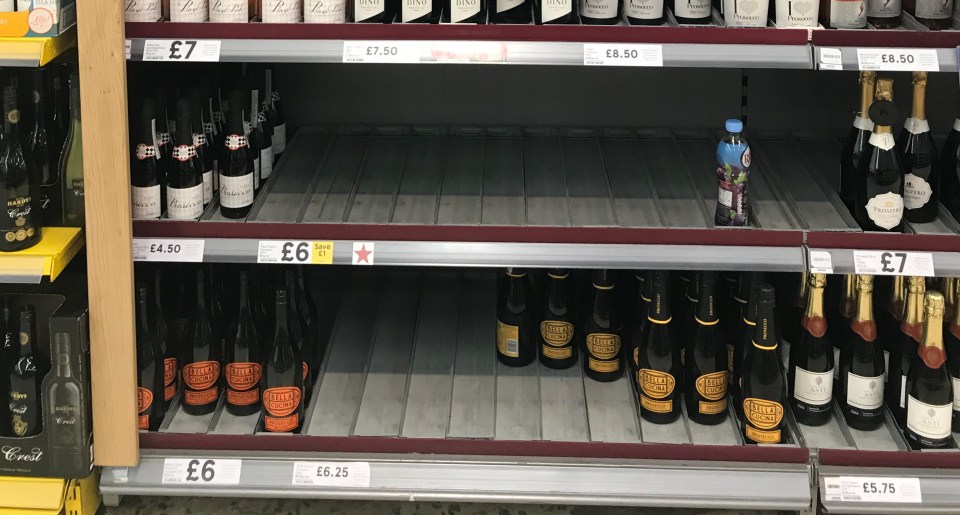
pixel 295 252
pixel 206 50
pixel 162 249
pixel 898 59
pixel 355 474
pixel 612 54
pixel 888 262
pixel 872 489
pixel 201 471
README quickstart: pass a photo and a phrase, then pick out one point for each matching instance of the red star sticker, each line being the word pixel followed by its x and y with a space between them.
pixel 363 254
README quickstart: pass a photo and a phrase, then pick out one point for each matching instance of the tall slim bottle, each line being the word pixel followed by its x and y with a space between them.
pixel 952 347
pixel 244 364
pixel 932 14
pixel 921 184
pixel 739 298
pixel 66 413
pixel 603 330
pixel 747 330
pixel 862 362
pixel 200 143
pixel 888 327
pixel 149 368
pixel 236 173
pixel 71 161
pixel 908 336
pixel 660 364
pixel 929 391
pixel 311 323
pixel 640 321
pixel 144 169
pixel 202 357
pixel 26 375
pixel 184 181
pixel 793 319
pixel 706 360
pixel 558 322
pixel 879 188
pixel 168 347
pixel 516 319
pixel 22 226
pixel 810 374
pixel 279 137
pixel 857 142
pixel 39 139
pixel 762 387
pixel 282 383
pixel 306 342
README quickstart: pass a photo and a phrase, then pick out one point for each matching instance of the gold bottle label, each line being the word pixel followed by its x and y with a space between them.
pixel 762 413
pixel 556 353
pixel 656 384
pixel 556 333
pixel 508 340
pixel 713 407
pixel 712 387
pixel 656 406
pixel 603 366
pixel 603 346
pixel 761 436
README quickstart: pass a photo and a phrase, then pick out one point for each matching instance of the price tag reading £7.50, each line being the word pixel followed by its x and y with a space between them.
pixel 162 249
pixel 201 471
pixel 872 489
pixel 403 52
pixel 207 50
pixel 295 252
pixel 888 262
pixel 898 59
pixel 612 54
pixel 354 474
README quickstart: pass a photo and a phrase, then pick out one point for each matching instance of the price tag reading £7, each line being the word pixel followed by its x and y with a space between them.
pixel 161 249
pixel 354 474
pixel 201 471
pixel 888 262
pixel 898 59
pixel 872 489
pixel 612 54
pixel 381 52
pixel 207 50
pixel 295 252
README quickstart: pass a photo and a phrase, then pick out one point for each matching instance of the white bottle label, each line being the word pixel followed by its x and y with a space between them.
pixel 146 151
pixel 745 13
pixel 236 192
pixel 266 163
pixel 412 9
pixel 928 420
pixel 693 8
pixel 207 187
pixel 325 11
pixel 956 393
pixel 797 13
pixel 188 10
pixel 643 9
pixel 916 126
pixel 506 5
pixel 849 14
pixel 133 10
pixel 864 392
pixel 815 388
pixel 185 203
pixel 883 8
pixel 836 364
pixel 229 11
pixel 916 191
pixel 463 9
pixel 934 9
pixel 184 153
pixel 199 139
pixel 281 11
pixel 886 210
pixel 366 9
pixel 596 9
pixel 554 9
pixel 146 202
pixel 864 124
pixel 279 141
pixel 884 141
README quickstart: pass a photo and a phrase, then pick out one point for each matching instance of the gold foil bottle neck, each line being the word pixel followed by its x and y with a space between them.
pixel 865 283
pixel 920 79
pixel 817 281
pixel 884 89
pixel 916 284
pixel 933 305
pixel 868 85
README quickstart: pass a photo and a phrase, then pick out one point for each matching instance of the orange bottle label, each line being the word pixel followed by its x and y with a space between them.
pixel 281 402
pixel 143 422
pixel 169 371
pixel 201 398
pixel 762 413
pixel 201 375
pixel 244 398
pixel 144 399
pixel 243 376
pixel 281 424
pixel 713 386
pixel 169 391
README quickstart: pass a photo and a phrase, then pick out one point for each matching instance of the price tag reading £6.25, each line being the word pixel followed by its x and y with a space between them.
pixel 872 489
pixel 353 474
pixel 402 52
pixel 613 54
pixel 898 59
pixel 889 262
pixel 201 471
pixel 162 249
pixel 206 50
pixel 295 252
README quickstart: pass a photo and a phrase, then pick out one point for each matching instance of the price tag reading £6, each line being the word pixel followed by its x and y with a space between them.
pixel 295 252
pixel 872 489
pixel 355 474
pixel 160 249
pixel 613 54
pixel 403 52
pixel 898 59
pixel 201 471
pixel 194 50
pixel 888 262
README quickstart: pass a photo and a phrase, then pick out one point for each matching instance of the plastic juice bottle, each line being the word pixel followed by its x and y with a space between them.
pixel 733 155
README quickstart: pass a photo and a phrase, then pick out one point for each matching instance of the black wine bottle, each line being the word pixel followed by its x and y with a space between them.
pixel 842 334
pixel 202 356
pixel 149 368
pixel 810 374
pixel 553 12
pixel 929 389
pixel 762 387
pixel 792 320
pixel 40 139
pixel 862 362
pixel 557 322
pixel 952 347
pixel 732 324
pixel 879 187
pixel 168 348
pixel 275 112
pixel 921 184
pixel 659 358
pixel 244 365
pixel 71 162
pixel 144 169
pixel 299 331
pixel 888 328
pixel 908 336
pixel 307 309
pixel 516 318
pixel 200 143
pixel 706 360
pixel 282 383
pixel 21 227
pixel 260 147
pixel 747 330
pixel 950 172
pixel 26 374
pixel 687 322
pixel 602 330
pixel 184 180
pixel 640 323
pixel 857 142
pixel 509 11
pixel 66 407
pixel 236 174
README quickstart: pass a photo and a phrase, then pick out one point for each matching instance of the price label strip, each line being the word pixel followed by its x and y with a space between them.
pixel 201 471
pixel 612 54
pixel 872 489
pixel 831 59
pixel 888 262
pixel 354 474
pixel 821 262
pixel 182 50
pixel 162 249
pixel 295 252
pixel 898 59
pixel 402 52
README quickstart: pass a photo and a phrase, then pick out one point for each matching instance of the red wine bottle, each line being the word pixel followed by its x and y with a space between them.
pixel 282 383
pixel 516 318
pixel 810 375
pixel 202 357
pixel 184 180
pixel 879 188
pixel 149 368
pixel 244 364
pixel 167 345
pixel 921 184
pixel 862 365
pixel 558 322
pixel 236 174
pixel 659 358
pixel 706 360
pixel 144 169
pixel 748 324
pixel 602 330
pixel 739 298
pixel 762 386
pixel 203 148
pixel 22 226
pixel 929 390
pixel 25 376
pixel 908 336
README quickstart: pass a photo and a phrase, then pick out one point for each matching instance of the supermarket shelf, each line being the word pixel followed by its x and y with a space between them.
pixel 710 47
pixel 48 258
pixel 940 489
pixel 848 41
pixel 947 57
pixel 41 496
pixel 33 52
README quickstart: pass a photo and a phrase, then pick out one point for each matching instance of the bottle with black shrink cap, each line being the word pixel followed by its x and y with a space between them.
pixel 557 322
pixel 602 331
pixel 706 360
pixel 516 320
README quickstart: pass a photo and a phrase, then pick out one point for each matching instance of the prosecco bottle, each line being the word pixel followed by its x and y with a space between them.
pixel 640 321
pixel 282 383
pixel 879 186
pixel 244 365
pixel 745 338
pixel 888 329
pixel 22 224
pixel 762 387
pixel 167 347
pixel 516 340
pixel 202 146
pixel 929 390
pixel 202 357
pixel 810 375
pixel 25 376
pixel 857 142
pixel 184 180
pixel 71 162
pixel 921 184
pixel 706 360
pixel 950 173
pixel 793 319
pixel 862 362
pixel 149 368
pixel 908 336
pixel 236 174
pixel 144 173
pixel 557 322
pixel 602 331
pixel 553 12
pixel 40 139
pixel 732 324
pixel 952 347
pixel 659 358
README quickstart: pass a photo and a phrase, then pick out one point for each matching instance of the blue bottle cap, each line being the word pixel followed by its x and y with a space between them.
pixel 734 125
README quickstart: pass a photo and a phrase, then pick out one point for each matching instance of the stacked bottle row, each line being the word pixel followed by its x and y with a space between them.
pixel 213 140
pixel 245 334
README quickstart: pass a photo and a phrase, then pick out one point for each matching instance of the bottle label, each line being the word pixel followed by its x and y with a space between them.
pixel 279 140
pixel 916 191
pixel 761 436
pixel 508 340
pixel 556 353
pixel 643 9
pixel 201 375
pixel 461 10
pixel 266 163
pixel 956 393
pixel 763 419
pixel 692 8
pixel 144 401
pixel 814 388
pixel 188 10
pixel 199 139
pixel 596 9
pixel 235 141
pixel 207 186
pixel 169 378
pixel 848 13
pixel 934 9
pixel 141 10
pixel 280 406
pixel 605 366
pixel 712 407
pixel 662 406
pixel 146 152
pixel 281 11
pixel 18 209
pixel 916 126
pixel 712 386
pixel 903 391
pixel 236 192
pixel 228 11
pixel 603 346
pixel 554 9
pixel 364 10
pixel 414 9
pixel 746 13
pixel 928 420
pixel 556 333
pixel 243 376
pixel 886 210
pixel 655 386
pixel 883 9
pixel 146 202
pixel 732 178
pixel 325 11
pixel 883 141
pixel 864 124
pixel 185 203
pixel 184 153
pixel 797 13
pixel 864 392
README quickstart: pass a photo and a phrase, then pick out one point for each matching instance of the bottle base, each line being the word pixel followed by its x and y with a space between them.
pixel 693 21
pixel 599 21
pixel 659 418
pixel 603 377
pixel 855 421
pixel 558 364
pixel 643 21
pixel 514 362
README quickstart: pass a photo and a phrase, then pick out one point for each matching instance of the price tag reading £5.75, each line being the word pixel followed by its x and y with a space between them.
pixel 613 54
pixel 888 262
pixel 872 489
pixel 295 252
pixel 355 474
pixel 201 471
pixel 898 59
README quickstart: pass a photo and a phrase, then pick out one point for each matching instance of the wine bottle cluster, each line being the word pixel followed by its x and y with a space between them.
pixel 247 335
pixel 213 143
pixel 24 365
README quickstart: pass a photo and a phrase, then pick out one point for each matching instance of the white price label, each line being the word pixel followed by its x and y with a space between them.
pixel 898 59
pixel 127 48
pixel 353 474
pixel 872 489
pixel 889 262
pixel 162 249
pixel 206 50
pixel 831 59
pixel 295 252
pixel 612 54
pixel 821 262
pixel 201 471
pixel 381 51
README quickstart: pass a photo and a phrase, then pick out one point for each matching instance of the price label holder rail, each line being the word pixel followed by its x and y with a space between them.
pixel 847 489
pixel 168 250
pixel 182 50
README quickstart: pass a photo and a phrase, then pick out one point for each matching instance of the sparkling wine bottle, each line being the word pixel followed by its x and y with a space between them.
pixel 810 375
pixel 908 336
pixel 879 189
pixel 929 390
pixel 519 12
pixel 149 368
pixel 603 330
pixel 857 142
pixel 659 358
pixel 557 322
pixel 144 176
pixel 22 226
pixel 888 328
pixel 66 407
pixel 184 181
pixel 551 12
pixel 883 14
pixel 168 348
pixel 244 364
pixel 200 143
pixel 762 387
pixel 862 365
pixel 706 360
pixel 950 172
pixel 202 357
pixel 644 12
pixel 236 174
pixel 793 319
pixel 932 14
pixel 25 376
pixel 921 184
pixel 952 347
pixel 282 383
pixel 516 317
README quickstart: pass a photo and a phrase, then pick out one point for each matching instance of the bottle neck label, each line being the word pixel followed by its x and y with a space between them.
pixel 864 124
pixel 236 142
pixel 883 140
pixel 145 202
pixel 916 126
pixel 146 152
pixel 184 153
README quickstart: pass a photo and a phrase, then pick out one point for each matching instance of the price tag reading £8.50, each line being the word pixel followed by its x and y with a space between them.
pixel 206 50
pixel 353 474
pixel 403 52
pixel 295 252
pixel 162 249
pixel 201 471
pixel 872 489
pixel 613 54
pixel 898 59
pixel 889 262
